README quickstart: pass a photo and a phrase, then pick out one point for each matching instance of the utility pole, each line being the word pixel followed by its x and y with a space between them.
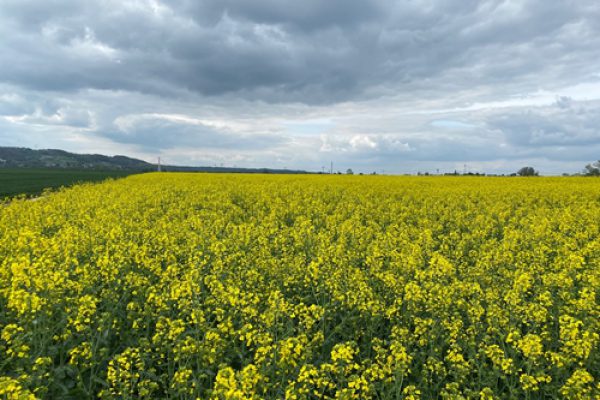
pixel 159 168
pixel 331 170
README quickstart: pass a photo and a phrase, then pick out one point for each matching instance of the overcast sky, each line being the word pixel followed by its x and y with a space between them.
pixel 399 86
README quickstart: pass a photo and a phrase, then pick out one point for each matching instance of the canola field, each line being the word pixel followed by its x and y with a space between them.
pixel 199 286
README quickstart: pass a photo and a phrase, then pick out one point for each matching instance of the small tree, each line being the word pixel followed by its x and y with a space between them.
pixel 592 169
pixel 349 171
pixel 527 171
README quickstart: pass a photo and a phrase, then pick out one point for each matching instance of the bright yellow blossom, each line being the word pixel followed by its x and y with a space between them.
pixel 202 286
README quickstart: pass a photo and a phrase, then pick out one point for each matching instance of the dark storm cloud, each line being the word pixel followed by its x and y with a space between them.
pixel 308 15
pixel 166 51
pixel 310 51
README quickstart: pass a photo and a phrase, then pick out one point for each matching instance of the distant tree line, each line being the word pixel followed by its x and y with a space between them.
pixel 527 171
pixel 592 169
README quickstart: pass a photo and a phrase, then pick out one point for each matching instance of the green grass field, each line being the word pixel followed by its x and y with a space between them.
pixel 32 182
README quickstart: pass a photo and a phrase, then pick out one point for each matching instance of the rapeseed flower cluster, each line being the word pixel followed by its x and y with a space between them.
pixel 200 286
